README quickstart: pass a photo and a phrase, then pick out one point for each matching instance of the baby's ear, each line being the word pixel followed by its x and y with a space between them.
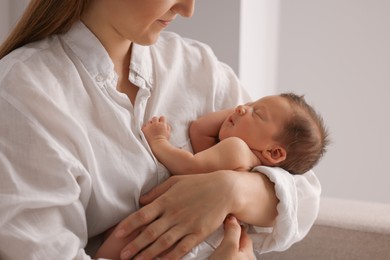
pixel 275 155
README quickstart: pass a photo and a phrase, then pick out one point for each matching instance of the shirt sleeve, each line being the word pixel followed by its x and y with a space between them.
pixel 41 203
pixel 299 200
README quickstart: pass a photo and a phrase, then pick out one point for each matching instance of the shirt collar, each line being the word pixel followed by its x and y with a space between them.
pixel 97 61
pixel 142 64
pixel 89 50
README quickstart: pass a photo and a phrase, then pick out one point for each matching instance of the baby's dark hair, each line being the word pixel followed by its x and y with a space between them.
pixel 304 136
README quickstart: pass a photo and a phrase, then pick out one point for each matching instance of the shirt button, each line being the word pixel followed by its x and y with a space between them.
pixel 99 78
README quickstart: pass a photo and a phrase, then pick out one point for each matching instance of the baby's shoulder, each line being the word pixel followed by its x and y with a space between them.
pixel 239 152
pixel 235 143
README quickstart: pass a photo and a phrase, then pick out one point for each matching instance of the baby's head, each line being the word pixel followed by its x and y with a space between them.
pixel 304 136
pixel 281 130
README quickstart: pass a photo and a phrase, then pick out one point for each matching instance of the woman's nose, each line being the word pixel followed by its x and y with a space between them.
pixel 184 8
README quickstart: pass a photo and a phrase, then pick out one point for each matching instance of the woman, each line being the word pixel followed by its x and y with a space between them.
pixel 77 80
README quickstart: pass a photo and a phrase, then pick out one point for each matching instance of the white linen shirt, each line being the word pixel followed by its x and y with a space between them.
pixel 73 159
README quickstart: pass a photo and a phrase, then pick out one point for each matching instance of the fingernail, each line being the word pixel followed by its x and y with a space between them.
pixel 120 233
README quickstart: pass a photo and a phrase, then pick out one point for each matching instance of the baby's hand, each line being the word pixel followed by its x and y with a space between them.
pixel 156 129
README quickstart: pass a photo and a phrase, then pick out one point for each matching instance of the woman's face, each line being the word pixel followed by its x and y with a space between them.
pixel 139 21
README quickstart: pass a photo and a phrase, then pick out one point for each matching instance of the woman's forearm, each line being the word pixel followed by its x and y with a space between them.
pixel 255 199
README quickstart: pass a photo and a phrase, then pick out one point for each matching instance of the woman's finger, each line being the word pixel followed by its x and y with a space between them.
pixel 246 244
pixel 157 191
pixel 236 244
pixel 166 242
pixel 183 247
pixel 151 234
pixel 232 234
pixel 138 219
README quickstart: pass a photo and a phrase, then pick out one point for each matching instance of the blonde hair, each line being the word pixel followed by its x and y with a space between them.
pixel 41 19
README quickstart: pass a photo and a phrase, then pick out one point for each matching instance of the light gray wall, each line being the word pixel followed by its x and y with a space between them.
pixel 10 11
pixel 337 53
pixel 216 23
pixel 4 19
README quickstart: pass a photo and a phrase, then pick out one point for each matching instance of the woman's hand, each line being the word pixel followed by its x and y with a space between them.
pixel 236 244
pixel 183 211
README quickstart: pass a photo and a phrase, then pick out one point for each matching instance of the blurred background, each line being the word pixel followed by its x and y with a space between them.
pixel 335 52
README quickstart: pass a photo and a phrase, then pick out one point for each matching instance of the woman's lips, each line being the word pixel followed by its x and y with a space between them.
pixel 164 23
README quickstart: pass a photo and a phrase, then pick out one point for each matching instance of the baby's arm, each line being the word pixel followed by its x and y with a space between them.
pixel 229 154
pixel 204 131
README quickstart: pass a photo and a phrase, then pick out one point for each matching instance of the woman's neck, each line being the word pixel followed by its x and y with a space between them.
pixel 117 47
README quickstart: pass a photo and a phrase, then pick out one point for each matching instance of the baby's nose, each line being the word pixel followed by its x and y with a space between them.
pixel 240 110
